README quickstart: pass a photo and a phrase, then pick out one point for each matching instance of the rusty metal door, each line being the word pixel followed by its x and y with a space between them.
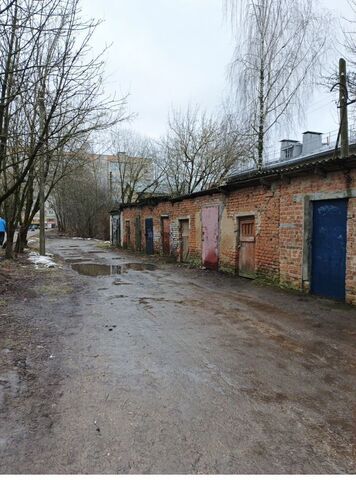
pixel 165 235
pixel 246 247
pixel 138 233
pixel 184 240
pixel 127 234
pixel 210 237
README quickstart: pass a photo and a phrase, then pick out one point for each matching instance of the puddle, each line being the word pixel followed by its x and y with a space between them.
pixel 76 260
pixel 139 267
pixel 95 269
pixel 99 269
pixel 120 282
pixel 96 251
pixel 10 386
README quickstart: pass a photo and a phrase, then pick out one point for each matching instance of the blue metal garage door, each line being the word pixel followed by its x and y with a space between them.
pixel 329 248
pixel 149 235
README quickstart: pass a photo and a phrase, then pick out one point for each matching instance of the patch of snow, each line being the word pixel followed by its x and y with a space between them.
pixel 89 238
pixel 42 261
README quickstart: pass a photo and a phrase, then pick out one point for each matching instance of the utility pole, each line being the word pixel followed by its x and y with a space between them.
pixel 41 175
pixel 344 130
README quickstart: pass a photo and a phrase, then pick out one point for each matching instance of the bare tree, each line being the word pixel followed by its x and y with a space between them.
pixel 279 49
pixel 349 52
pixel 51 100
pixel 82 207
pixel 135 170
pixel 57 166
pixel 198 150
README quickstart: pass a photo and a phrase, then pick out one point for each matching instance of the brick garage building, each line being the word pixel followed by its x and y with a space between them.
pixel 294 224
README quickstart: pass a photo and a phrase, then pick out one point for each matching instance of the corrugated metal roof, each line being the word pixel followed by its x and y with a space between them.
pixel 293 166
pixel 254 177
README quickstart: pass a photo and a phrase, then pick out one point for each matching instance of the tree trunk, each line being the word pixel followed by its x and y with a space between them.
pixel 261 119
pixel 9 251
pixel 21 242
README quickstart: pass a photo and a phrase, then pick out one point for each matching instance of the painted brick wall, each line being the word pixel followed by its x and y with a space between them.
pixel 280 212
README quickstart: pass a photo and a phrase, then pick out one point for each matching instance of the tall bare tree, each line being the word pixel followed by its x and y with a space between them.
pixel 278 53
pixel 135 171
pixel 198 150
pixel 82 207
pixel 349 53
pixel 51 99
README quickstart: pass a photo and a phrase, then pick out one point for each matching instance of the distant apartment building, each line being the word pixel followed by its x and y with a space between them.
pixel 127 176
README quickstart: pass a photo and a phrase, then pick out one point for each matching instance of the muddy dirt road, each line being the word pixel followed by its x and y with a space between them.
pixel 135 366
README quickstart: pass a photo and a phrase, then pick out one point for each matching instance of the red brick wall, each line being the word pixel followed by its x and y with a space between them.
pixel 295 199
pixel 263 203
pixel 351 253
pixel 281 214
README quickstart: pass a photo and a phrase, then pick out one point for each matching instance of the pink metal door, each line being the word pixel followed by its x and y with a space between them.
pixel 210 234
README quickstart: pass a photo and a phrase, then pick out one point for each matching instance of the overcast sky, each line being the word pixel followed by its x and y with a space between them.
pixel 176 52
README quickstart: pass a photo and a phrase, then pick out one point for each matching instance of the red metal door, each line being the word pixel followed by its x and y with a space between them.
pixel 247 247
pixel 127 234
pixel 210 231
pixel 165 236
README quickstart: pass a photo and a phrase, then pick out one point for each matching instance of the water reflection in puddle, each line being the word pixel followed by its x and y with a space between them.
pixel 138 266
pixel 76 260
pixel 99 269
